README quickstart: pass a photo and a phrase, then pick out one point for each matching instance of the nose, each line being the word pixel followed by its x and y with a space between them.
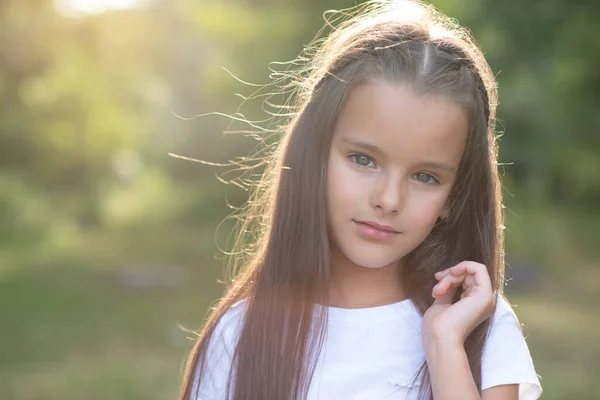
pixel 389 193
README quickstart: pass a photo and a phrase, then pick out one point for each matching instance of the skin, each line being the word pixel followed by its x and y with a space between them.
pixel 393 160
pixel 390 185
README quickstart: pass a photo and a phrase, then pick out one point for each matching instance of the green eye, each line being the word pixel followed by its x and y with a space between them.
pixel 425 178
pixel 362 160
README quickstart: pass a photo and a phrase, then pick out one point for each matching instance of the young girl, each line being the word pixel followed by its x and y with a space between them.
pixel 377 266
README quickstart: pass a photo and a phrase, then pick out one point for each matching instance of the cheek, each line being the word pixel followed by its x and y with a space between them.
pixel 425 212
pixel 343 188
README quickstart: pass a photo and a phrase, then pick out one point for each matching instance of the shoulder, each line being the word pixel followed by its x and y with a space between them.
pixel 504 315
pixel 506 356
pixel 230 324
pixel 234 315
pixel 219 355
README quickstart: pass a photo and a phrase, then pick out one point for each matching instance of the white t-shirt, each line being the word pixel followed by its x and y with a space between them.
pixel 374 354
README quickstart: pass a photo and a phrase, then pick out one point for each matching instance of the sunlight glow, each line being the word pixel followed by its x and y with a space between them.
pixel 79 7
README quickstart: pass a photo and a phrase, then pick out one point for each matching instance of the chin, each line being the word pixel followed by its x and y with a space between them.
pixel 367 254
pixel 364 260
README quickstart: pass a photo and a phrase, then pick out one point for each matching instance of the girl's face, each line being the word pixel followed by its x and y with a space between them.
pixel 393 160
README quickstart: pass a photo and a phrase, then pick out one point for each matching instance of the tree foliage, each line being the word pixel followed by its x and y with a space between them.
pixel 85 98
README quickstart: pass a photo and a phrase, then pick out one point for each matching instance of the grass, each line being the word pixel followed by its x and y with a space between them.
pixel 73 330
pixel 563 339
pixel 77 324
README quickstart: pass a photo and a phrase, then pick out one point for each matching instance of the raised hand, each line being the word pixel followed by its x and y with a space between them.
pixel 451 323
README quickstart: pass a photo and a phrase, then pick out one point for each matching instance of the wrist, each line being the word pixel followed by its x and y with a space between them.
pixel 450 372
pixel 442 335
pixel 435 346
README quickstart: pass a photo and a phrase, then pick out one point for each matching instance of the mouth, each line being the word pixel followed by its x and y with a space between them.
pixel 384 228
pixel 373 231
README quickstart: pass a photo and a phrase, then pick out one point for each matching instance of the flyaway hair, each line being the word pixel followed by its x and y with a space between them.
pixel 280 268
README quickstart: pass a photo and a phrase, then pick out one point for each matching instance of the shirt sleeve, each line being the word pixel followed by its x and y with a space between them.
pixel 506 357
pixel 218 362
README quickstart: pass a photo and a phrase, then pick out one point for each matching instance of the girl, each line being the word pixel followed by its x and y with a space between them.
pixel 377 266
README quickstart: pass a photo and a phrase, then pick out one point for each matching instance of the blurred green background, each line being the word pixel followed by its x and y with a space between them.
pixel 108 245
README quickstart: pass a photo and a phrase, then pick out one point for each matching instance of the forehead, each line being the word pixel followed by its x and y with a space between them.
pixel 403 123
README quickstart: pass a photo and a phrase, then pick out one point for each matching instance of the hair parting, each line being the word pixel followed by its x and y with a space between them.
pixel 280 267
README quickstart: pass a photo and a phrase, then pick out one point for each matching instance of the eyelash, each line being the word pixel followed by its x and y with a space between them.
pixel 353 158
pixel 435 181
pixel 354 155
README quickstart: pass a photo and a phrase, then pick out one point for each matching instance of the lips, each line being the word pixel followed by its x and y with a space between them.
pixel 384 228
pixel 375 232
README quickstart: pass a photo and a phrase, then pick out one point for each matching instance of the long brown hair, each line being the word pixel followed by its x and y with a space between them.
pixel 283 273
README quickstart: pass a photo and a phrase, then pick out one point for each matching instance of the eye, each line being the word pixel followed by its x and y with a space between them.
pixel 426 178
pixel 362 160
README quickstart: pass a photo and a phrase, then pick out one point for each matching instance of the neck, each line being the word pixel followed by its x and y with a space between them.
pixel 355 286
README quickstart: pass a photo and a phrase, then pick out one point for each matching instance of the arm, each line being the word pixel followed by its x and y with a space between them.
pixel 447 324
pixel 451 376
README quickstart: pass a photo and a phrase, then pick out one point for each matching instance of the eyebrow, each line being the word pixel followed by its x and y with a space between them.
pixel 375 149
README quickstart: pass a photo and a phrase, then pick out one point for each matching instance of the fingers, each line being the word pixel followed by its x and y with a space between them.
pixel 477 300
pixel 445 290
pixel 467 274
pixel 478 271
pixel 440 274
pixel 451 279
